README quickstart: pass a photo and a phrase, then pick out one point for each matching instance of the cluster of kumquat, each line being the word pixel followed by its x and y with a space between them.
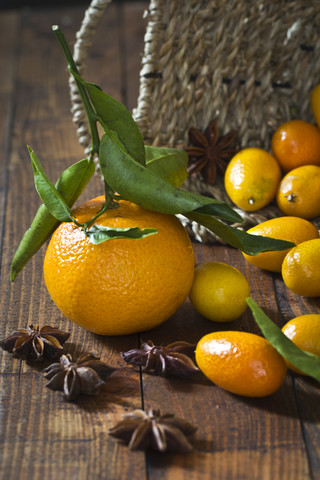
pixel 291 177
pixel 253 179
pixel 247 364
pixel 241 362
pixel 254 176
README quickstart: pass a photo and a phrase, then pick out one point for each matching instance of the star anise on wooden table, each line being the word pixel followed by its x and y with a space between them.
pixel 85 375
pixel 151 430
pixel 34 342
pixel 170 360
pixel 210 151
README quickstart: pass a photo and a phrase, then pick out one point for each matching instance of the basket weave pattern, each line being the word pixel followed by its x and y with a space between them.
pixel 249 63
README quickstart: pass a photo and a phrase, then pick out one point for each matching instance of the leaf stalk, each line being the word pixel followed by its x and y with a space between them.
pixel 73 69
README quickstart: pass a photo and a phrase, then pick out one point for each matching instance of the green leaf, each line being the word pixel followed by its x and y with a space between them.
pixel 115 116
pixel 168 163
pixel 100 233
pixel 70 185
pixel 74 179
pixel 248 243
pixel 304 361
pixel 49 195
pixel 136 183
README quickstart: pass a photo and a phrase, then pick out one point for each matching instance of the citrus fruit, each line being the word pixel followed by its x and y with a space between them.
pixel 301 268
pixel 299 192
pixel 292 229
pixel 251 178
pixel 315 104
pixel 119 286
pixel 241 362
pixel 304 331
pixel 219 291
pixel 296 143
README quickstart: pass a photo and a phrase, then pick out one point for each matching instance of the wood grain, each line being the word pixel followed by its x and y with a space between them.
pixel 42 435
pixel 8 58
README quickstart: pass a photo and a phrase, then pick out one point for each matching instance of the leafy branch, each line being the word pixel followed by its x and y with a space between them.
pixel 145 175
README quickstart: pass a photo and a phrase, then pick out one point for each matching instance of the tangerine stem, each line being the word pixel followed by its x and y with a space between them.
pixel 73 69
pixel 91 115
pixel 109 204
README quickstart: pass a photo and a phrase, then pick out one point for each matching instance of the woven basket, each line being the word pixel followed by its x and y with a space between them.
pixel 249 63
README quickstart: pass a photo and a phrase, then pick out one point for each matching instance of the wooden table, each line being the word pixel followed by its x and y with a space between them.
pixel 42 435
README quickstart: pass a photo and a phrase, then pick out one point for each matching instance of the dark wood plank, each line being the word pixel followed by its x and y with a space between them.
pixel 9 22
pixel 42 435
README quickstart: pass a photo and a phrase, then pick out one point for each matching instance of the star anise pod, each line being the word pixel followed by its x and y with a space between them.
pixel 210 152
pixel 151 430
pixel 34 342
pixel 170 360
pixel 86 375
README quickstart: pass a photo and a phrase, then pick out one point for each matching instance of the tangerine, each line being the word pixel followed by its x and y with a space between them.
pixel 292 229
pixel 120 286
pixel 219 291
pixel 241 362
pixel 251 178
pixel 299 192
pixel 301 268
pixel 304 331
pixel 296 143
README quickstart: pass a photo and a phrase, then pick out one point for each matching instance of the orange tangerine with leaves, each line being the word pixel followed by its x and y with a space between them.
pixel 296 143
pixel 252 178
pixel 240 362
pixel 120 286
pixel 299 192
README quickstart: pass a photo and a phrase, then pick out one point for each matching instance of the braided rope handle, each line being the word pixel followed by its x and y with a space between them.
pixel 83 42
